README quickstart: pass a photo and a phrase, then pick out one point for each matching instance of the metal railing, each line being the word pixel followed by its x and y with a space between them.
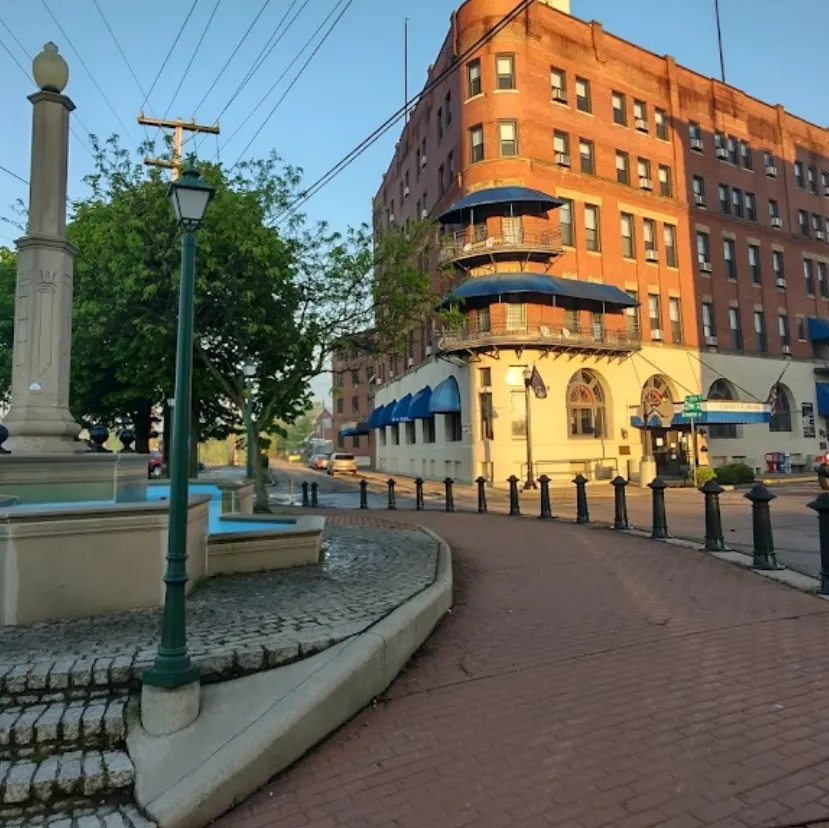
pixel 471 242
pixel 601 336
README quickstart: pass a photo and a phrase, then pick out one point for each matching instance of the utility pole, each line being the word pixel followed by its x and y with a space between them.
pixel 179 127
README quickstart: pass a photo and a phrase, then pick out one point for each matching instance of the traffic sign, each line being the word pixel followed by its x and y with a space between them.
pixel 692 405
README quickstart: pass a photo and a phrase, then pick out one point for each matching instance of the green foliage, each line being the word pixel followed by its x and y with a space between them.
pixel 734 474
pixel 704 474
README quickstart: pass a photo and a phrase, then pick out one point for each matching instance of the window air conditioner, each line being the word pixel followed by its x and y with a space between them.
pixel 424 213
pixel 656 335
pixel 652 255
pixel 406 192
pixel 559 95
pixel 771 171
pixel 780 282
pixel 705 267
pixel 819 235
pixel 645 183
pixel 562 159
pixel 699 200
pixel 696 144
pixel 722 153
pixel 777 222
pixel 641 125
pixel 787 349
pixel 711 340
pixel 422 160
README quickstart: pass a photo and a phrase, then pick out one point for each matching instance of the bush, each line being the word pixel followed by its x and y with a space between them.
pixel 704 474
pixel 734 474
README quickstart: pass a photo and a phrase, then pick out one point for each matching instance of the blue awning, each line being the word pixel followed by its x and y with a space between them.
pixel 822 391
pixel 374 417
pixel 386 417
pixel 654 421
pixel 419 406
pixel 818 329
pixel 483 201
pixel 446 398
pixel 505 284
pixel 355 430
pixel 712 412
pixel 401 410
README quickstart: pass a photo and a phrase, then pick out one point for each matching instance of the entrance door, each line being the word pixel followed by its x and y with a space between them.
pixel 668 452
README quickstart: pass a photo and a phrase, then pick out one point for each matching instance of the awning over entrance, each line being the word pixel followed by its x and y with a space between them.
pixel 374 417
pixel 419 406
pixel 712 412
pixel 818 329
pixel 354 430
pixel 387 417
pixel 401 410
pixel 446 398
pixel 822 391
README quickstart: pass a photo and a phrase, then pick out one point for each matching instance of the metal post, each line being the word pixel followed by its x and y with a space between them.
pixel 419 506
pixel 821 505
pixel 514 505
pixel 481 481
pixel 620 504
pixel 659 530
pixel 392 501
pixel 172 667
pixel 714 540
pixel 582 511
pixel 305 501
pixel 760 497
pixel 450 497
pixel 546 512
pixel 314 494
pixel 364 494
pixel 529 483
pixel 248 431
pixel 693 451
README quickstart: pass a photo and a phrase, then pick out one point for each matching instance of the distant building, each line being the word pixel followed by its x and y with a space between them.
pixel 323 425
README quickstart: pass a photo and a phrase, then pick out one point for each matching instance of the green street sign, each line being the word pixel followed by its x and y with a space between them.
pixel 693 398
pixel 692 405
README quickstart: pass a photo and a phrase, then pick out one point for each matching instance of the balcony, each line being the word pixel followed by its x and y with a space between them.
pixel 474 245
pixel 615 337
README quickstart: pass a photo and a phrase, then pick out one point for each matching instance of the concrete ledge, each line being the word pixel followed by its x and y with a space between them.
pixel 252 728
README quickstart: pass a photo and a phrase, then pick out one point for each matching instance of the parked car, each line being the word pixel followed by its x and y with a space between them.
pixel 319 462
pixel 156 467
pixel 294 457
pixel 340 463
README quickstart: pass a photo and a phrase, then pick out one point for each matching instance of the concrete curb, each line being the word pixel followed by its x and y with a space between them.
pixel 252 728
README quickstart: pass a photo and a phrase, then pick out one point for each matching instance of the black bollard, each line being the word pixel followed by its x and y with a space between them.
pixel 714 540
pixel 305 501
pixel 419 505
pixel 450 498
pixel 514 505
pixel 659 530
pixel 98 437
pixel 582 512
pixel 364 494
pixel 127 438
pixel 4 435
pixel 821 505
pixel 620 503
pixel 481 481
pixel 546 512
pixel 314 492
pixel 392 501
pixel 760 497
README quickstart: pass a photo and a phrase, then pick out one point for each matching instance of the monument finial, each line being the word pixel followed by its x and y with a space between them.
pixel 50 70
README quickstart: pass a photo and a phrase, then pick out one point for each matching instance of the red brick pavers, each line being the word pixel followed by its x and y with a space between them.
pixel 583 679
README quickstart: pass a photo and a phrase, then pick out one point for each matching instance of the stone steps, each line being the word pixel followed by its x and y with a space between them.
pixel 103 816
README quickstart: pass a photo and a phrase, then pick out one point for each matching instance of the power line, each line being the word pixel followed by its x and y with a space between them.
pixel 352 156
pixel 13 36
pixel 118 46
pixel 193 57
pixel 297 76
pixel 14 175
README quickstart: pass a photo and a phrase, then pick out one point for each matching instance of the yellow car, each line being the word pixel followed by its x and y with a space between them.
pixel 294 458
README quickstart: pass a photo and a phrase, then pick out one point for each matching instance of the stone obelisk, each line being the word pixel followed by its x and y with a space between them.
pixel 39 420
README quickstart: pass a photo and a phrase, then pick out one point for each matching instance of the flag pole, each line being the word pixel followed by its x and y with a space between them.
pixel 719 38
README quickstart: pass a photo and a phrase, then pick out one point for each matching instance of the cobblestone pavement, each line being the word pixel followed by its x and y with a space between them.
pixel 236 624
pixel 584 679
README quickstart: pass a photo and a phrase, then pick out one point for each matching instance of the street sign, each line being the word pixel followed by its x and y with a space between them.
pixel 692 405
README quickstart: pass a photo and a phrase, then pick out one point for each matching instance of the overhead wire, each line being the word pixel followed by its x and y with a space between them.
pixel 14 175
pixel 310 40
pixel 305 195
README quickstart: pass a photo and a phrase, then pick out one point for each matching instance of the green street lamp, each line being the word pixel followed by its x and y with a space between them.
pixel 250 373
pixel 190 196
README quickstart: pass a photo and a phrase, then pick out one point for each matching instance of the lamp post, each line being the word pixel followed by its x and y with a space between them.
pixel 171 690
pixel 529 483
pixel 250 372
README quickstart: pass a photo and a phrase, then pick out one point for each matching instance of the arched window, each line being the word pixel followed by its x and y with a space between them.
pixel 722 390
pixel 586 405
pixel 781 408
pixel 657 401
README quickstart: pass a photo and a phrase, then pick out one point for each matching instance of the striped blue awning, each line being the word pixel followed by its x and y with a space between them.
pixel 446 398
pixel 401 410
pixel 419 406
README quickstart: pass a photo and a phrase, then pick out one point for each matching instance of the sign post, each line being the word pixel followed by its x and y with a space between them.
pixel 692 408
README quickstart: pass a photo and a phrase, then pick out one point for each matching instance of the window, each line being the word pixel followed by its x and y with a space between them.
pixel 355 441
pixel 719 145
pixel 411 433
pixel 731 146
pixel 754 264
pixel 736 329
pixel 632 314
pixel 505 72
pixel 628 241
pixel 774 210
pixel 778 267
pixel 558 84
pixel 798 174
pixel 708 329
pixel 783 330
pixel 745 155
pixel 441 180
pixel 452 427
pixel 622 167
pixel 440 123
pixel 516 317
pixel 473 78
pixel 619 109
pixel 340 441
pixel 583 102
pixel 485 375
pixel 649 235
pixel 760 330
pixel 737 202
pixel 482 319
pixel 561 148
pixel 751 207
pixel 703 248
pixel 809 276
pixel 660 118
pixel 640 115
pixel 781 418
pixel 768 160
pixel 664 180
pixel 699 191
pixel 487 416
pixel 355 376
pixel 592 235
pixel 725 202
pixel 340 405
pixel 450 171
pixel 695 135
pixel 508 137
pixel 644 168
pixel 586 154
pixel 676 320
pixel 518 414
pixel 803 222
pixel 817 225
pixel 428 430
pixel 801 329
pixel 824 182
pixel 822 287
pixel 811 177
pixel 586 405
pixel 476 144
pixel 729 254
pixel 447 108
pixel 669 236
pixel 565 217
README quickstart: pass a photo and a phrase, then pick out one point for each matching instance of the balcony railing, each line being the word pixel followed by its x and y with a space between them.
pixel 471 244
pixel 599 336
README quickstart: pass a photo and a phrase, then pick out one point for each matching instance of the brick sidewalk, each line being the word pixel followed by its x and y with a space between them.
pixel 584 679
